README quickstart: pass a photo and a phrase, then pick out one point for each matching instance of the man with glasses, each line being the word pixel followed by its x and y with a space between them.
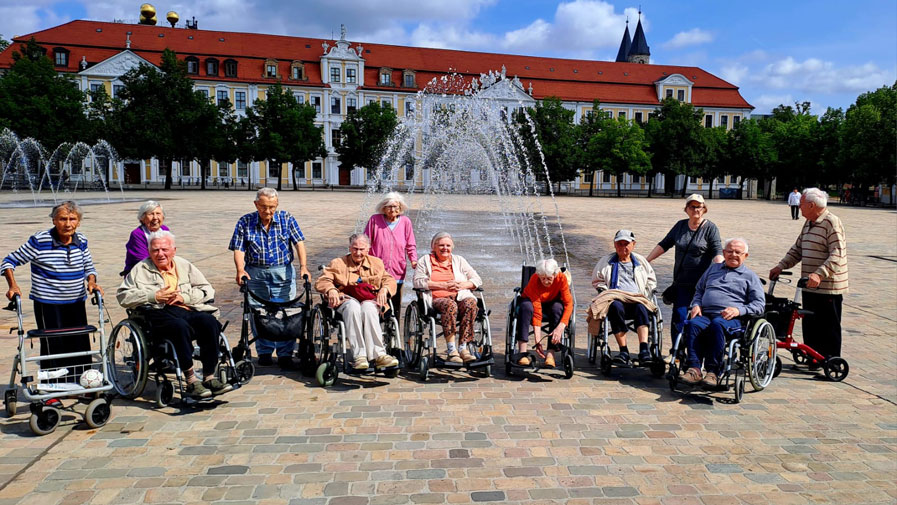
pixel 725 292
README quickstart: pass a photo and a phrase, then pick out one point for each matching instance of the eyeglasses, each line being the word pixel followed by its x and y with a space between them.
pixel 695 207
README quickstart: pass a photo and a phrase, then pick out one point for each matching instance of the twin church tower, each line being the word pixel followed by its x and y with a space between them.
pixel 634 50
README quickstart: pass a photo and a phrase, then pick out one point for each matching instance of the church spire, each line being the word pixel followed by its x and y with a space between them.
pixel 623 53
pixel 639 51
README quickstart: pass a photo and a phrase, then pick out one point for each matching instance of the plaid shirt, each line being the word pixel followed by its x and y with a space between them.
pixel 270 247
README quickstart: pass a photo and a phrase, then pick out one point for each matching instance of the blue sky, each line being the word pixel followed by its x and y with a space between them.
pixel 824 52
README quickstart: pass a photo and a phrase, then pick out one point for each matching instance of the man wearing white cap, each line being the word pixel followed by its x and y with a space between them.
pixel 629 272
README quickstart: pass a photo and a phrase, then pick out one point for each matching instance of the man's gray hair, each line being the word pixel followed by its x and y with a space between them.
pixel 147 207
pixel 265 192
pixel 68 205
pixel 736 239
pixel 816 196
pixel 547 268
pixel 160 235
pixel 439 236
pixel 392 197
pixel 358 236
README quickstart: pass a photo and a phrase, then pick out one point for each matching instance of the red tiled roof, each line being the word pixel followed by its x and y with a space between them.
pixel 572 80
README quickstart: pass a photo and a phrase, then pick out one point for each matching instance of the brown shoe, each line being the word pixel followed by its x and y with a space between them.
pixel 692 376
pixel 466 356
pixel 523 361
pixel 711 381
pixel 549 360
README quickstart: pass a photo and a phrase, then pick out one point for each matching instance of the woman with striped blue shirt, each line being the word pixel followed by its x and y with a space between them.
pixel 60 265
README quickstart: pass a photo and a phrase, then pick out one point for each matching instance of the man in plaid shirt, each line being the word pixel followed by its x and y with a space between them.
pixel 263 245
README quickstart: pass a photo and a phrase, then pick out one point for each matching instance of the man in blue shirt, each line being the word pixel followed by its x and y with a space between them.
pixel 725 292
pixel 263 245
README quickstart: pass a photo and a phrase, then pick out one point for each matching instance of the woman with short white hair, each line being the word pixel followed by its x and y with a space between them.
pixel 150 216
pixel 548 292
pixel 392 239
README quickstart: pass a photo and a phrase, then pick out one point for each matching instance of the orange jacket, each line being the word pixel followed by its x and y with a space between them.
pixel 538 294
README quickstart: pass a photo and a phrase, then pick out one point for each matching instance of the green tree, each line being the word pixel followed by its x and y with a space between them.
pixel 794 133
pixel 712 150
pixel 828 141
pixel 161 115
pixel 3 43
pixel 37 102
pixel 675 140
pixel 586 129
pixel 619 146
pixel 365 134
pixel 870 138
pixel 750 152
pixel 556 135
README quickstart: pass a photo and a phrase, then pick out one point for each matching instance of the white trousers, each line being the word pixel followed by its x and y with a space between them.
pixel 363 330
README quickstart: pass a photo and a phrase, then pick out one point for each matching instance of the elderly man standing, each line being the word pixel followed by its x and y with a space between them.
pixel 725 292
pixel 177 294
pixel 263 244
pixel 821 249
pixel 631 274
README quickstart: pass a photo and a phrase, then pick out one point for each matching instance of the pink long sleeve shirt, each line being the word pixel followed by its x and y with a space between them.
pixel 392 246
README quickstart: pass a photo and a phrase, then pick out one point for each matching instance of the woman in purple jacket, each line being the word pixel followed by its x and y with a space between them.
pixel 150 215
pixel 392 238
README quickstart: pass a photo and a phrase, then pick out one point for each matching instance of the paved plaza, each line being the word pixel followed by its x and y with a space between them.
pixel 624 439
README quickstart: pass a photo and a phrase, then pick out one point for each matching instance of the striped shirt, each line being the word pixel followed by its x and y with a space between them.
pixel 821 249
pixel 269 247
pixel 58 271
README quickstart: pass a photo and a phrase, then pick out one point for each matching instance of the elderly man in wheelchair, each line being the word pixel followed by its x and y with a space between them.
pixel 724 296
pixel 172 296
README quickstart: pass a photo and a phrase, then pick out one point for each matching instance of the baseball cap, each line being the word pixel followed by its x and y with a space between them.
pixel 626 235
pixel 694 197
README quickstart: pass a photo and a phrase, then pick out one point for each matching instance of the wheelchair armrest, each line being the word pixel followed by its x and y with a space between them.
pixel 479 289
pixel 517 290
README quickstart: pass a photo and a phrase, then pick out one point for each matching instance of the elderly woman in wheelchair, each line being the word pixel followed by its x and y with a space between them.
pixel 546 296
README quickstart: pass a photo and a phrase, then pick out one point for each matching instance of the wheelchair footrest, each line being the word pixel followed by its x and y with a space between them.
pixel 480 362
pixel 443 363
pixel 370 370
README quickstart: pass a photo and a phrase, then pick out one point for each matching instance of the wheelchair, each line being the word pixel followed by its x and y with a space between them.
pixel 331 348
pixel 750 355
pixel 420 337
pixel 565 347
pixel 136 355
pixel 599 345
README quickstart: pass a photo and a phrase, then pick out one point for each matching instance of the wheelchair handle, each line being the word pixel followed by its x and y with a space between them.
pixel 244 284
pixel 786 272
pixel 802 283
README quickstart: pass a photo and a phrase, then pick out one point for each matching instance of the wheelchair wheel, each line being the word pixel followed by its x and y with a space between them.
pixel 128 359
pixel 326 374
pixel 739 388
pixel 658 367
pixel 761 363
pixel 593 349
pixel 320 336
pixel 245 371
pixel 97 413
pixel 164 393
pixel 392 341
pixel 836 369
pixel 568 365
pixel 606 364
pixel 9 402
pixel 778 369
pixel 413 336
pixel 45 421
pixel 423 368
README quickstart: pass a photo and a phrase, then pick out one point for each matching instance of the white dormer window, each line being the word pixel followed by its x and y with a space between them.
pixel 351 75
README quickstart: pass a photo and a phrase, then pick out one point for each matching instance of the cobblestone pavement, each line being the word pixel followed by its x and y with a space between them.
pixel 540 439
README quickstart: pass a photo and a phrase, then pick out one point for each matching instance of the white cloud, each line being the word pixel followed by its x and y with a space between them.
pixel 692 37
pixel 17 20
pixel 817 75
pixel 450 37
pixel 735 72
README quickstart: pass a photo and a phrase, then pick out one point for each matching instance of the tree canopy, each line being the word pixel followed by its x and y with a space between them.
pixel 365 133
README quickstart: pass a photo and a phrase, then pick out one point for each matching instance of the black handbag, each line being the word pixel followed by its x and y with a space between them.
pixel 669 294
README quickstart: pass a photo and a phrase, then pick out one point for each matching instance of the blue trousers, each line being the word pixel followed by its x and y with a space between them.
pixel 275 284
pixel 619 312
pixel 551 312
pixel 706 341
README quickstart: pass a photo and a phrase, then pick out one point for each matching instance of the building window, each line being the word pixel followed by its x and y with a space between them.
pixel 724 121
pixel 669 93
pixel 316 170
pixel 386 102
pixel 350 75
pixel 708 121
pixel 212 67
pixel 61 57
pixel 385 76
pixel 409 108
pixel 336 137
pixel 95 87
pixel 334 74
pixel 117 89
pixel 192 65
pixel 300 171
pixel 297 71
pixel 680 95
pixel 605 176
pixel 335 105
pixel 720 180
pixel 316 103
pixel 223 169
pixel 230 68
pixel 351 104
pixel 408 79
pixel 273 170
pixel 692 180
pixel 242 169
pixel 222 98
pixel 638 117
pixel 271 68
pixel 185 169
pixel 240 100
pixel 588 176
pixel 409 171
pixel 204 92
pixel 736 120
pixel 372 100
pixel 300 98
pixel 621 114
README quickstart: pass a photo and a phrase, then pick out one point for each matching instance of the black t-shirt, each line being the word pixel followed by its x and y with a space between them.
pixel 704 248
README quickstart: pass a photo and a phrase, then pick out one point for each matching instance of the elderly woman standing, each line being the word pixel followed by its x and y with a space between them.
pixel 392 239
pixel 547 292
pixel 449 279
pixel 150 215
pixel 697 246
pixel 357 285
pixel 60 266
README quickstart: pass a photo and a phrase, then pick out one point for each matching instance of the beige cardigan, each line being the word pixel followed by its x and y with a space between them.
pixel 460 267
pixel 140 285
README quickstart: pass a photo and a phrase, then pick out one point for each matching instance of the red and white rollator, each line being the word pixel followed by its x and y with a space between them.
pixel 46 386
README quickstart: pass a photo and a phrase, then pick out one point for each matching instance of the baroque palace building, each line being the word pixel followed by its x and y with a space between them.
pixel 336 77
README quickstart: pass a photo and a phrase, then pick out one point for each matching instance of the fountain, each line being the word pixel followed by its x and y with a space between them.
pixel 58 175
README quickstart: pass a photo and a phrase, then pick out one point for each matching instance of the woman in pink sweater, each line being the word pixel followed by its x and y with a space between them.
pixel 392 239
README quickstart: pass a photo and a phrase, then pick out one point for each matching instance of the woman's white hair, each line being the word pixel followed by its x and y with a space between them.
pixel 265 192
pixel 147 207
pixel 547 268
pixel 736 239
pixel 159 235
pixel 439 236
pixel 816 196
pixel 392 197
pixel 69 206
